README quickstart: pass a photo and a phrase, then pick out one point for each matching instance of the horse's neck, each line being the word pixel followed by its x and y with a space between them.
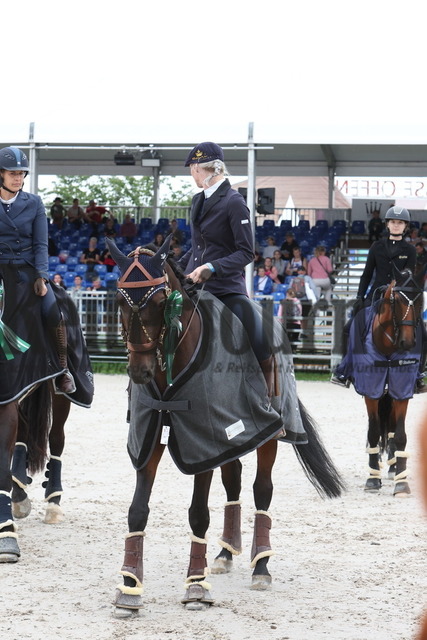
pixel 189 337
pixel 383 329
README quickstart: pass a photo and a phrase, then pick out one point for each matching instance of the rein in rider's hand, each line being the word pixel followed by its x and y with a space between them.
pixel 40 288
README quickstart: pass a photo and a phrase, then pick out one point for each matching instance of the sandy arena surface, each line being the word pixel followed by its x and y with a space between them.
pixel 354 568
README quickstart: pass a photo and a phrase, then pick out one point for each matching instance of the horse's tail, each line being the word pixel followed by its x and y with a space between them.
pixel 384 412
pixel 36 411
pixel 316 462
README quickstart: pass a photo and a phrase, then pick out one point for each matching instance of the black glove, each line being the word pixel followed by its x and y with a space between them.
pixel 358 305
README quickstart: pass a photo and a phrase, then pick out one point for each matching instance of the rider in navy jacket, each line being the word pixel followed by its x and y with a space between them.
pixel 24 243
pixel 222 245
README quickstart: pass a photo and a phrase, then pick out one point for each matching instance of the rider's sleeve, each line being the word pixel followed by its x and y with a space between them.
pixel 367 274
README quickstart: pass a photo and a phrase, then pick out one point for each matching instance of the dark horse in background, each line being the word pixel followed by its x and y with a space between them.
pixel 149 286
pixel 32 429
pixel 394 346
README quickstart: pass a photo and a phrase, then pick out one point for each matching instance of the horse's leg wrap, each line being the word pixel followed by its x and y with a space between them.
pixel 391 449
pixel 53 486
pixel 19 466
pixel 129 597
pixel 231 538
pixel 197 589
pixel 65 382
pixel 261 541
pixel 9 549
pixel 401 478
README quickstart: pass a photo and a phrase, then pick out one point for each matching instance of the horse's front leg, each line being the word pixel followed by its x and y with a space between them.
pixel 401 485
pixel 231 539
pixel 128 599
pixel 373 483
pixel 263 493
pixel 197 595
pixel 9 548
pixel 53 484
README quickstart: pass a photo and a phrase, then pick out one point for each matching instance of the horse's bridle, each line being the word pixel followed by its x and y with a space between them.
pixel 155 284
pixel 402 290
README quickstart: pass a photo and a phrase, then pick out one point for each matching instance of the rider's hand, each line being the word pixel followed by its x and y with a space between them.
pixel 40 288
pixel 199 275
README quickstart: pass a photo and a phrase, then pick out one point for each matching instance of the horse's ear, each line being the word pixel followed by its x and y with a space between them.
pixel 159 259
pixel 119 258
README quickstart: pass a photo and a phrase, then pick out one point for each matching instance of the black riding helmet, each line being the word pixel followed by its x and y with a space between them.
pixel 13 159
pixel 398 213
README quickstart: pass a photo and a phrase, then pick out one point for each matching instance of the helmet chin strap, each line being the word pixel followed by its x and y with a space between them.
pixel 9 190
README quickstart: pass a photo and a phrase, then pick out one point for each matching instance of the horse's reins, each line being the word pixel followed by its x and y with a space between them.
pixel 155 284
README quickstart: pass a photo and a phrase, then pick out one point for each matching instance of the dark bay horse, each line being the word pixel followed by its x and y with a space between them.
pixel 395 334
pixel 32 424
pixel 162 337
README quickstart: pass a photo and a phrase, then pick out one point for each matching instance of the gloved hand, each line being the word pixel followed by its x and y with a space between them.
pixel 40 288
pixel 199 275
pixel 358 305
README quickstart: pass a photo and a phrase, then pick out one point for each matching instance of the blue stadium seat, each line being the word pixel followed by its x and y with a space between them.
pixel 71 262
pixel 61 268
pixel 80 269
pixel 53 261
pixel 101 269
pixel 69 278
pixel 358 227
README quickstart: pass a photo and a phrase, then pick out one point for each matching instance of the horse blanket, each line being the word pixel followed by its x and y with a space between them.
pixel 217 409
pixel 27 355
pixel 372 372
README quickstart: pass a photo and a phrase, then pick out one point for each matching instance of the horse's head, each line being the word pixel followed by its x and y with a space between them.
pixel 403 301
pixel 142 292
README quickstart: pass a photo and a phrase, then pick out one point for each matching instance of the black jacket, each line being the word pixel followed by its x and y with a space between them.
pixel 385 258
pixel 221 233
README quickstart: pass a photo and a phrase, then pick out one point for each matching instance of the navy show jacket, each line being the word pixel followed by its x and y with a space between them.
pixel 384 257
pixel 221 233
pixel 23 233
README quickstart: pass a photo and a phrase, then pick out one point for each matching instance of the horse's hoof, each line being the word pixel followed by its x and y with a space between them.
pixel 221 565
pixel 21 509
pixel 373 484
pixel 9 549
pixel 197 598
pixel 54 514
pixel 121 613
pixel 126 602
pixel 261 583
pixel 401 490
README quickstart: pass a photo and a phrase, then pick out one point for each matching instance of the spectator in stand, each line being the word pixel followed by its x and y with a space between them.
pixel 280 265
pixel 128 229
pixel 94 215
pixel 423 231
pixel 110 230
pixel 413 236
pixel 375 226
pixel 270 269
pixel 258 260
pixel 288 246
pixel 91 256
pixel 107 260
pixel 75 214
pixel 78 284
pixel 97 285
pixel 293 312
pixel 158 240
pixel 177 235
pixel 296 262
pixel 319 268
pixel 57 279
pixel 263 284
pixel 421 259
pixel 271 247
pixel 57 213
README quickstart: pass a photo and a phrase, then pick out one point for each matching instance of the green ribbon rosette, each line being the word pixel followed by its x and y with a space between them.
pixel 8 338
pixel 173 311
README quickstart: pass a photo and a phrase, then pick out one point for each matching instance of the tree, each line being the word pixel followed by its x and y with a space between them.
pixel 115 191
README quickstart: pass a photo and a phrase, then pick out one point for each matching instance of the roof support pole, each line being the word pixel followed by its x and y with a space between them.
pixel 156 208
pixel 32 159
pixel 331 181
pixel 250 200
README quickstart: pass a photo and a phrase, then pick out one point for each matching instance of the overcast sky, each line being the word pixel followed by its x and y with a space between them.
pixel 139 71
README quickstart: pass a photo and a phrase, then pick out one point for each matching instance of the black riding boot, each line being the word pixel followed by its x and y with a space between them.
pixel 64 382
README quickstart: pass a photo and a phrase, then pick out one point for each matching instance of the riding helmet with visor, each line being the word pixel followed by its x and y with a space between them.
pixel 398 213
pixel 13 159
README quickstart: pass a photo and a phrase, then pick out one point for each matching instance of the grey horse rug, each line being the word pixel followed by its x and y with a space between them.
pixel 27 355
pixel 217 409
pixel 371 372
